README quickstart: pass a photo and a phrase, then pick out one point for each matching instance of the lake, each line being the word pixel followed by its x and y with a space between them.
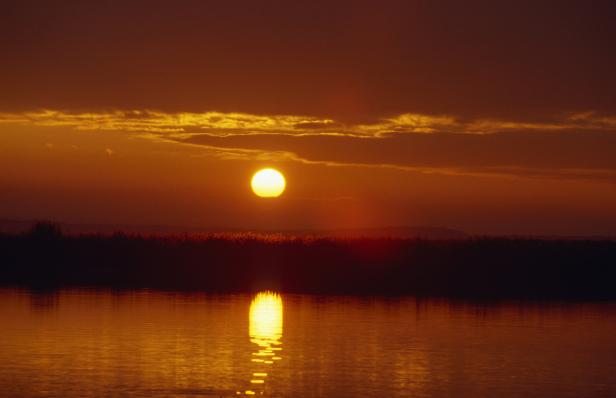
pixel 92 343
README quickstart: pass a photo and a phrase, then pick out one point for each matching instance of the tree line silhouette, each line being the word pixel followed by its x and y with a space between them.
pixel 243 262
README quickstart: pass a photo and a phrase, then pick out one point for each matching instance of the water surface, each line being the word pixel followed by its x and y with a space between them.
pixel 80 343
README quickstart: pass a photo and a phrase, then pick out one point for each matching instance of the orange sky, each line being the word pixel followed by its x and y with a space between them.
pixel 490 118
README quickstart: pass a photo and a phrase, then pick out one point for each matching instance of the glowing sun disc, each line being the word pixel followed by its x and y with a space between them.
pixel 268 183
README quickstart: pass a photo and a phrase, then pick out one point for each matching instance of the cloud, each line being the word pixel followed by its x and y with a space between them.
pixel 230 124
pixel 216 123
pixel 579 145
pixel 567 154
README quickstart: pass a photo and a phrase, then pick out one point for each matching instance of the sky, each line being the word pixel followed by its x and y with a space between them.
pixel 489 117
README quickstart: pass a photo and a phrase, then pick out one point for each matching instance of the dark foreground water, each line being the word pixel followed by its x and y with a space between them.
pixel 77 343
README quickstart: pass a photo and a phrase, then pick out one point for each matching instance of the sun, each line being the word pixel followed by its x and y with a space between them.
pixel 268 183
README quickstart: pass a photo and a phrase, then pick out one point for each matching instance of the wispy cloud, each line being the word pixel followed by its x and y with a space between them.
pixel 159 122
pixel 228 124
pixel 578 145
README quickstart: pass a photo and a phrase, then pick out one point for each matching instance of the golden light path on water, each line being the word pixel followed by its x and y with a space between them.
pixel 265 330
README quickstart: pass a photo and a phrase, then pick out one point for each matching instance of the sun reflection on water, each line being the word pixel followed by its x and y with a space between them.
pixel 265 330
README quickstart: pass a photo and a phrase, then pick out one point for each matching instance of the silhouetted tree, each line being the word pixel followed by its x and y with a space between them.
pixel 45 230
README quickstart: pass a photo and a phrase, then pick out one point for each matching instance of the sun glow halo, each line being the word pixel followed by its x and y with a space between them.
pixel 268 183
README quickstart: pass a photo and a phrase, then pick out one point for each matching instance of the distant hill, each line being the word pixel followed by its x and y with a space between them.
pixel 19 226
pixel 400 232
pixel 422 232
